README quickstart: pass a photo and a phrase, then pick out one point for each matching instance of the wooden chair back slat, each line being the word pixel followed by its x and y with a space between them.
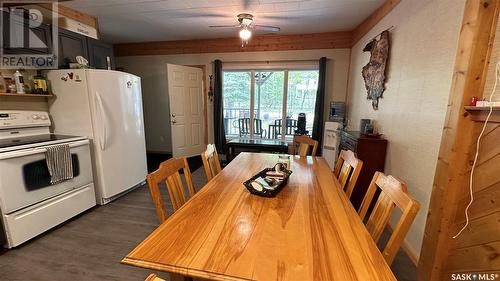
pixel 301 145
pixel 380 216
pixel 394 193
pixel 211 162
pixel 153 277
pixel 347 170
pixel 168 172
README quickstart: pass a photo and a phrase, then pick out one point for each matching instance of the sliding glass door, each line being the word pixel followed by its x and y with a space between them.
pixel 302 88
pixel 268 101
pixel 276 97
pixel 237 97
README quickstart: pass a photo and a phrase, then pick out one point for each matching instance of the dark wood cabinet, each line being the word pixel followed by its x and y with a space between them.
pixel 99 51
pixel 24 39
pixel 372 152
pixel 71 45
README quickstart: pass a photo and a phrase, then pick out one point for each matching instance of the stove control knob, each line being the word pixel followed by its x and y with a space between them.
pixel 43 117
pixel 35 117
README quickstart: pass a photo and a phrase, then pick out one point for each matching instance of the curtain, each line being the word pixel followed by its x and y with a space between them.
pixel 219 133
pixel 319 109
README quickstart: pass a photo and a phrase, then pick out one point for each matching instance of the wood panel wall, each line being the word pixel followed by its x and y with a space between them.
pixel 328 40
pixel 478 248
pixel 74 14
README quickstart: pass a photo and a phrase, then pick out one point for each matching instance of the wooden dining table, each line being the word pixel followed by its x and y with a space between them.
pixel 309 231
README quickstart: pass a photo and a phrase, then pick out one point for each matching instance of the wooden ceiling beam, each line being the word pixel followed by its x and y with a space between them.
pixel 364 27
pixel 74 15
pixel 328 40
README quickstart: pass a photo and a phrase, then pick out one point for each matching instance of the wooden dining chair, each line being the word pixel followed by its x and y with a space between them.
pixel 393 194
pixel 153 277
pixel 347 170
pixel 211 161
pixel 168 172
pixel 301 145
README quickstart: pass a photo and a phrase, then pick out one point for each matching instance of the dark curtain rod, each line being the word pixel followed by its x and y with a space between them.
pixel 271 61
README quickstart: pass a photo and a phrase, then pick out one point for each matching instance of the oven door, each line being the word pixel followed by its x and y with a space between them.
pixel 25 179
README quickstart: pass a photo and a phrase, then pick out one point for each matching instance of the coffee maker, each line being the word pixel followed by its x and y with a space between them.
pixel 301 125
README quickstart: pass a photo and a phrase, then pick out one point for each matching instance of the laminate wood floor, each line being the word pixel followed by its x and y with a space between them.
pixel 91 245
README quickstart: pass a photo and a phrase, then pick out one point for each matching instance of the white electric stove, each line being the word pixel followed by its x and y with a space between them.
pixel 29 203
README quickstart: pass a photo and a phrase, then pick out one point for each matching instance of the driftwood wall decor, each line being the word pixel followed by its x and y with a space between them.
pixel 374 71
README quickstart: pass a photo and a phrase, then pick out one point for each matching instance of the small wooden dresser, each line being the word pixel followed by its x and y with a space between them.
pixel 372 152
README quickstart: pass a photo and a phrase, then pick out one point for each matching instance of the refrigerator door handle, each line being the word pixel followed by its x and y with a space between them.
pixel 103 138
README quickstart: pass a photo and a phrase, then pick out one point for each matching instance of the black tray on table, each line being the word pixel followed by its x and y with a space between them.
pixel 267 192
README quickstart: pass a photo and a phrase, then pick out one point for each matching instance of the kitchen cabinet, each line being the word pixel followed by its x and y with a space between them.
pixel 99 51
pixel 71 45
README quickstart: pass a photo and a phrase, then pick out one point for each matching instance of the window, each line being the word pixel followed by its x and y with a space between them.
pixel 236 89
pixel 276 97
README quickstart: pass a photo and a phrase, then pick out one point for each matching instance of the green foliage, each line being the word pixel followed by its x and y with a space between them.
pixel 236 89
pixel 302 87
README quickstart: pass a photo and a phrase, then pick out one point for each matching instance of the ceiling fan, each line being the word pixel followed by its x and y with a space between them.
pixel 246 25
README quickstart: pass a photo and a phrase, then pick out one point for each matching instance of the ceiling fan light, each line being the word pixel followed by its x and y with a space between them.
pixel 245 34
pixel 246 22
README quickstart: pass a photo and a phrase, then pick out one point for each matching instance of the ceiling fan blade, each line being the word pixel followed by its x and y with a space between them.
pixel 188 14
pixel 224 26
pixel 266 28
pixel 288 17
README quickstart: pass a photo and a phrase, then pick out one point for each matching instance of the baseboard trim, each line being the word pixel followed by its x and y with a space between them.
pixel 406 247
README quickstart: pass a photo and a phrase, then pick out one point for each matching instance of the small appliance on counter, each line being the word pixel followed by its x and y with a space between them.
pixel 30 201
pixel 337 111
pixel 301 125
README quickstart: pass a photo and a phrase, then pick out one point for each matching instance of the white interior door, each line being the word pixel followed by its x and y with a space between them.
pixel 185 93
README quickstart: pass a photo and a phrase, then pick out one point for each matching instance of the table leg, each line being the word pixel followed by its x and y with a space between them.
pixel 230 153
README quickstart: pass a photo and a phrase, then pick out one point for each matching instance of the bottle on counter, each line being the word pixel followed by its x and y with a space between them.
pixel 40 84
pixel 19 80
pixel 3 85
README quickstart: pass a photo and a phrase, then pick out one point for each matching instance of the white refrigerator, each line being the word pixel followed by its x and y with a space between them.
pixel 105 106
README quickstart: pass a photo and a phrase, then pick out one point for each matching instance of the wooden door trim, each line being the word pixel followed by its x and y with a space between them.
pixel 205 100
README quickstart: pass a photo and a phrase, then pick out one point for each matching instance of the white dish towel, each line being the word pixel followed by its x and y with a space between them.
pixel 58 158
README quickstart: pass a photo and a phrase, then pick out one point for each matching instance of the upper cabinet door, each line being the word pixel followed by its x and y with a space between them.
pixel 99 52
pixel 24 39
pixel 71 45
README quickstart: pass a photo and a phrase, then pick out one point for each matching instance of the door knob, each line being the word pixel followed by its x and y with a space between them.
pixel 173 121
pixel 173 115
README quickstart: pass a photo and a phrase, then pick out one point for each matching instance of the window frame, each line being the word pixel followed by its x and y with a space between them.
pixel 252 71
